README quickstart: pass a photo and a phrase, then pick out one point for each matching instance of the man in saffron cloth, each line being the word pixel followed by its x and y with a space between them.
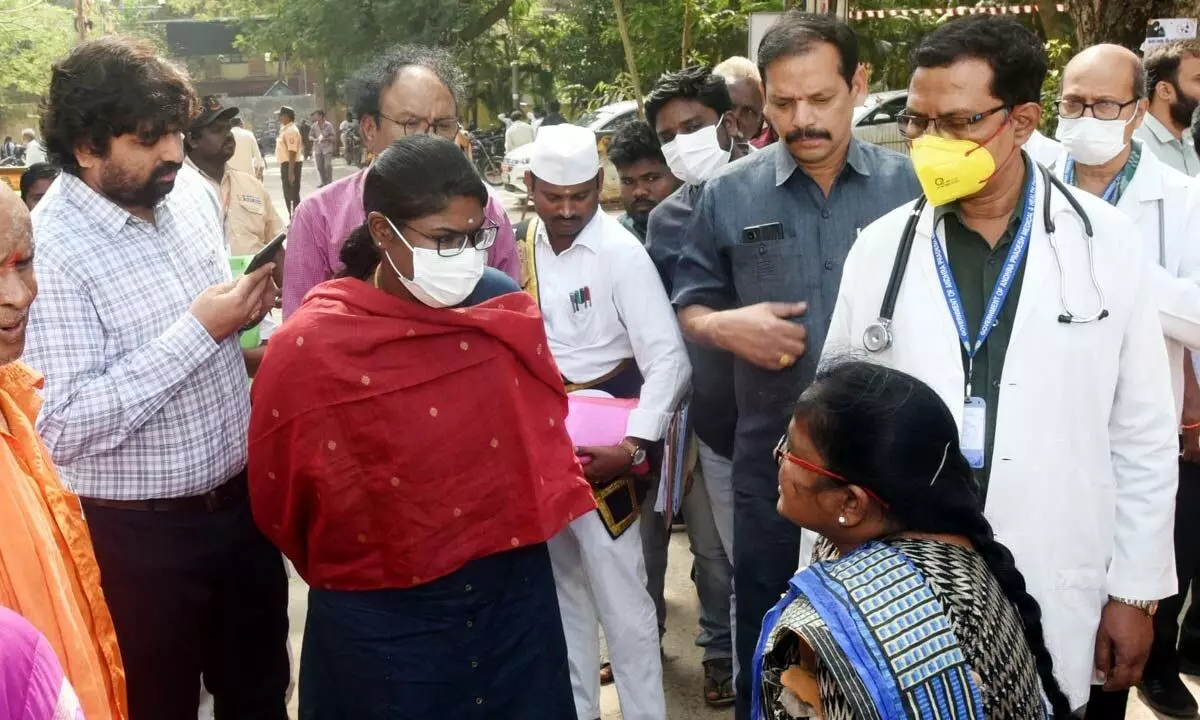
pixel 48 572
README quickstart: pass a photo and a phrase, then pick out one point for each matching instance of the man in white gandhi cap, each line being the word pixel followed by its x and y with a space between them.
pixel 612 332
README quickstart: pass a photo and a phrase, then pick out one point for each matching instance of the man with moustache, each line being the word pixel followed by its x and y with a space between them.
pixel 760 275
pixel 611 330
pixel 645 178
pixel 1041 332
pixel 1173 81
pixel 146 402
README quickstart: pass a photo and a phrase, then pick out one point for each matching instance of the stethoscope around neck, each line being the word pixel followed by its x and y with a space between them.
pixel 878 335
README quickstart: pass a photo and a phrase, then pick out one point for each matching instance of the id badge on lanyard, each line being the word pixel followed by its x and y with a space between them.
pixel 973 439
pixel 974 431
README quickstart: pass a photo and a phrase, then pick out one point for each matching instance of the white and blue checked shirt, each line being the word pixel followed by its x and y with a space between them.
pixel 140 402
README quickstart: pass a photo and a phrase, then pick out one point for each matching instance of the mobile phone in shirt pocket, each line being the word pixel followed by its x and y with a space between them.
pixel 768 267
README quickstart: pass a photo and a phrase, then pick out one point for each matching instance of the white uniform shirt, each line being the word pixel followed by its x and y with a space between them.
pixel 603 303
pixel 1169 244
pixel 518 134
pixel 34 153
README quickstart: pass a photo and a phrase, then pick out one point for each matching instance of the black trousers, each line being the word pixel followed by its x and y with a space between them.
pixel 1169 643
pixel 291 186
pixel 1164 653
pixel 195 594
pixel 766 551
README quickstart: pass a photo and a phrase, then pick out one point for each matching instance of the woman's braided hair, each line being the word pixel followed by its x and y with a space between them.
pixel 888 432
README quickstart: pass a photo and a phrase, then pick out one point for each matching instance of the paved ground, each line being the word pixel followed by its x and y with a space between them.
pixel 681 670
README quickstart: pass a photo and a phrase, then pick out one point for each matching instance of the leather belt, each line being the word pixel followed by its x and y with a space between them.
pixel 226 495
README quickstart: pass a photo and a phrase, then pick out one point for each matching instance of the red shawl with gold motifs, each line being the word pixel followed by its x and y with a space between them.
pixel 391 443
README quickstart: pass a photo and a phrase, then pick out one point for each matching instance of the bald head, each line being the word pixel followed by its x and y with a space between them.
pixel 1117 68
pixel 14 219
pixel 18 286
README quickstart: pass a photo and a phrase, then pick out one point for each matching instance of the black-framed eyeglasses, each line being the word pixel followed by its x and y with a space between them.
pixel 1103 110
pixel 445 128
pixel 480 238
pixel 914 126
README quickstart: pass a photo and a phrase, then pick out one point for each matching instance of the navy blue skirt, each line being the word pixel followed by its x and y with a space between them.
pixel 484 642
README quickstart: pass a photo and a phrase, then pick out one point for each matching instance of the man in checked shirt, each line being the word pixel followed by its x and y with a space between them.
pixel 146 403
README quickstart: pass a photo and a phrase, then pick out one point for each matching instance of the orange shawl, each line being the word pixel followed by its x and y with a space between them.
pixel 48 572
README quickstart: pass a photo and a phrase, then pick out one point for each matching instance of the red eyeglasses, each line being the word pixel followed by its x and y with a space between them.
pixel 781 454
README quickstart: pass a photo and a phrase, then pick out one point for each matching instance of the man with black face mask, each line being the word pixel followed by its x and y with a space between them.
pixel 1173 80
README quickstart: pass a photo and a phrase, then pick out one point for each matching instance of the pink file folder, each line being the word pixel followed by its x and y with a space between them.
pixel 598 421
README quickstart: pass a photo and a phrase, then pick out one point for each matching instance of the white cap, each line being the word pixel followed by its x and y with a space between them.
pixel 565 155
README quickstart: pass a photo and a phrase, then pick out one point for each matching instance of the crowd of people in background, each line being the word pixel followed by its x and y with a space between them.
pixel 936 415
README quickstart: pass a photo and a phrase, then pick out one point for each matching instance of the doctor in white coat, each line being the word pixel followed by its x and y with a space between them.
pixel 1103 102
pixel 1076 435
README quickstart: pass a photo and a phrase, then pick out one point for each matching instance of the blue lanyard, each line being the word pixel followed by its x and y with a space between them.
pixel 1110 192
pixel 1116 187
pixel 1016 253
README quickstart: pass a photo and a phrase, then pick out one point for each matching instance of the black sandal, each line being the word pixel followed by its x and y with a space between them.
pixel 718 683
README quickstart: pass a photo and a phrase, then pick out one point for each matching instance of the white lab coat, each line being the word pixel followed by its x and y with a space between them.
pixel 1043 150
pixel 1174 255
pixel 1084 473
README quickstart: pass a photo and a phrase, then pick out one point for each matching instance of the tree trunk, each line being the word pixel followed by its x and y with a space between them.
pixel 498 12
pixel 687 34
pixel 1048 12
pixel 1119 21
pixel 630 57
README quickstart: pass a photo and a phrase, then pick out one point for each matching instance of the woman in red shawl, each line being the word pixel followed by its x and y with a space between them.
pixel 408 454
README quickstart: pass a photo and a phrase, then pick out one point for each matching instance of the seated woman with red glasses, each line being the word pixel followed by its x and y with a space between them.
pixel 409 454
pixel 919 612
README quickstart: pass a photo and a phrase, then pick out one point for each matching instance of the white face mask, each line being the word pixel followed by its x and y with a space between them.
pixel 437 281
pixel 1091 141
pixel 693 158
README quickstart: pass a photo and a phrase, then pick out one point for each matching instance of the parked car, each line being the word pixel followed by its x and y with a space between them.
pixel 875 121
pixel 604 121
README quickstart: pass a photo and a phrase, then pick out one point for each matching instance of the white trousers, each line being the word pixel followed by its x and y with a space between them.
pixel 602 582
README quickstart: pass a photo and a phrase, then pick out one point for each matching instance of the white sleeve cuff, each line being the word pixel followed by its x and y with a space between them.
pixel 647 425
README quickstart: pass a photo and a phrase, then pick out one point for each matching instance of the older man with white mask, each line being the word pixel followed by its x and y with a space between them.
pixel 1103 102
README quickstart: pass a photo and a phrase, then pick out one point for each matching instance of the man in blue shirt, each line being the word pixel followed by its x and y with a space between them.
pixel 760 275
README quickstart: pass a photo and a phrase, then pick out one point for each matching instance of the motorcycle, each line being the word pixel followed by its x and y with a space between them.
pixel 352 146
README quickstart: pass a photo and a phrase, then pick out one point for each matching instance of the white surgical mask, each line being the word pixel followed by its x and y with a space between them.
pixel 437 281
pixel 694 157
pixel 1091 141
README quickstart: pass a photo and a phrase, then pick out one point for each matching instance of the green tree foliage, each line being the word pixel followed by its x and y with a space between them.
pixel 343 34
pixel 32 36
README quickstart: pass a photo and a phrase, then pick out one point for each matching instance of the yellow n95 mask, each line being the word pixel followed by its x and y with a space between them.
pixel 951 169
